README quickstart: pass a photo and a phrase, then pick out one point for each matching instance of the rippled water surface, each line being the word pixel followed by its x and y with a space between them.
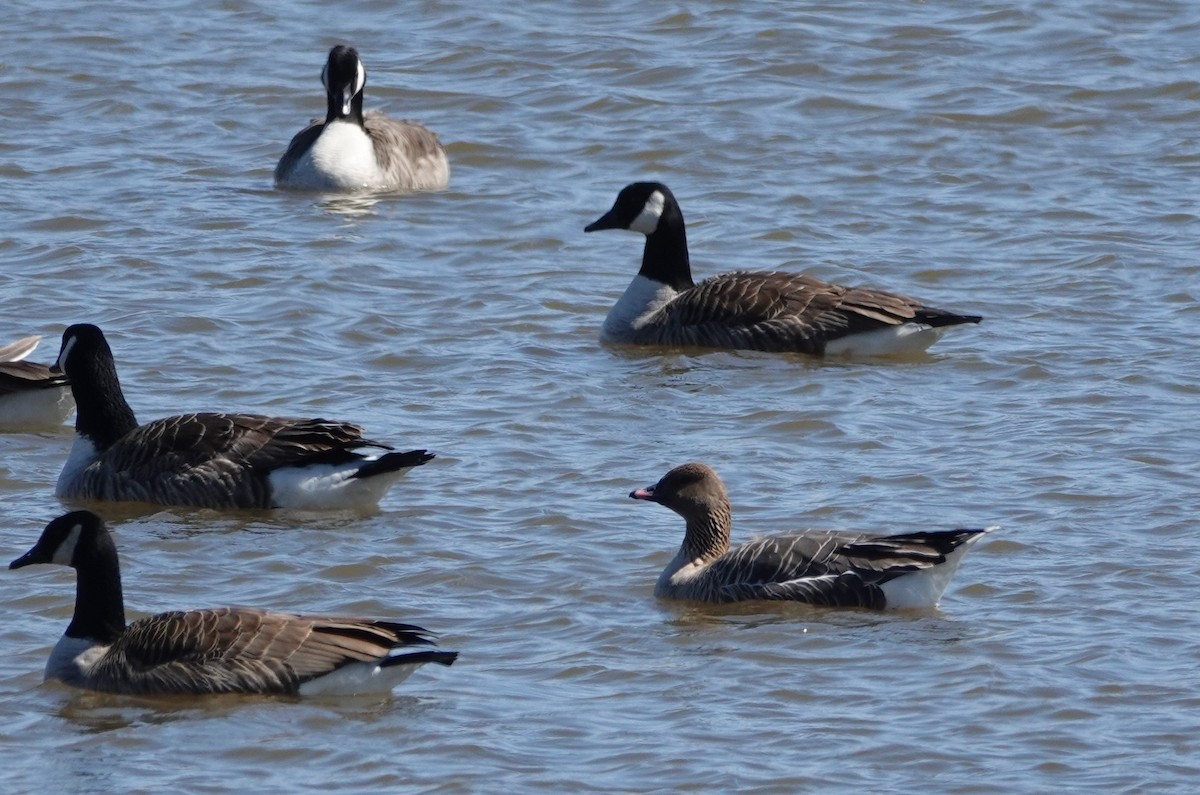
pixel 1035 163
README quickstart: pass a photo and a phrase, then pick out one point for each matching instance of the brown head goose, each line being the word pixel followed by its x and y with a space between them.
pixel 223 650
pixel 211 460
pixel 745 310
pixel 31 396
pixel 832 568
pixel 353 151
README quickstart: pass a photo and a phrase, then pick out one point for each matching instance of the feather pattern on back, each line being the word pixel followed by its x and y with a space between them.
pixel 240 650
pixel 776 311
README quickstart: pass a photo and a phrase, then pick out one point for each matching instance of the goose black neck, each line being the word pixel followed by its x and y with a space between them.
pixel 101 413
pixel 99 602
pixel 333 108
pixel 665 257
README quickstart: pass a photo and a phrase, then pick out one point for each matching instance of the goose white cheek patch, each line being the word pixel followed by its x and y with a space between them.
pixel 647 220
pixel 351 92
pixel 66 550
pixel 65 354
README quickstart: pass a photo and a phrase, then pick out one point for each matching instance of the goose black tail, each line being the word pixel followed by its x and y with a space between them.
pixel 391 462
pixel 420 658
pixel 940 317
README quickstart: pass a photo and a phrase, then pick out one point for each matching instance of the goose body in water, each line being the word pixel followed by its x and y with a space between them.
pixel 750 310
pixel 222 650
pixel 212 460
pixel 31 396
pixel 831 568
pixel 355 151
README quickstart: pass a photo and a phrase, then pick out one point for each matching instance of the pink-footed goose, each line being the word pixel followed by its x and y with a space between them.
pixel 831 568
pixel 222 650
pixel 747 310
pixel 355 151
pixel 212 460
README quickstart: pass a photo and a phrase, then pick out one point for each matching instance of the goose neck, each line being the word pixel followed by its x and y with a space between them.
pixel 99 601
pixel 665 257
pixel 707 536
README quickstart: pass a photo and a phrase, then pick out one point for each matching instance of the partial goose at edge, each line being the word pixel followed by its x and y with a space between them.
pixel 222 650
pixel 31 396
pixel 751 310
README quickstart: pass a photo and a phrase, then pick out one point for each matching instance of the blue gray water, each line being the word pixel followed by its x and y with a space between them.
pixel 1035 163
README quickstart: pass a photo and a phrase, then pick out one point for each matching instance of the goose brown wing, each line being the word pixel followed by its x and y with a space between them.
pixel 196 441
pixel 849 589
pixel 807 567
pixel 896 554
pixel 782 558
pixel 22 376
pixel 834 568
pixel 781 311
pixel 400 141
pixel 230 650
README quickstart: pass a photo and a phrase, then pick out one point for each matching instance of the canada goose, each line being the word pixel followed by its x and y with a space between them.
pixel 745 310
pixel 352 151
pixel 223 650
pixel 31 397
pixel 832 568
pixel 222 461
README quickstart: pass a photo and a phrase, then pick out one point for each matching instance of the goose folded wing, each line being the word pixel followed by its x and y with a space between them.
pixel 226 650
pixel 896 554
pixel 864 309
pixel 847 589
pixel 803 567
pixel 21 376
pixel 283 442
pixel 799 306
pixel 744 298
pixel 193 442
pixel 242 649
pixel 780 558
pixel 400 140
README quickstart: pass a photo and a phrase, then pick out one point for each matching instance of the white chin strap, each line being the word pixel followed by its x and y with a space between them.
pixel 647 220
